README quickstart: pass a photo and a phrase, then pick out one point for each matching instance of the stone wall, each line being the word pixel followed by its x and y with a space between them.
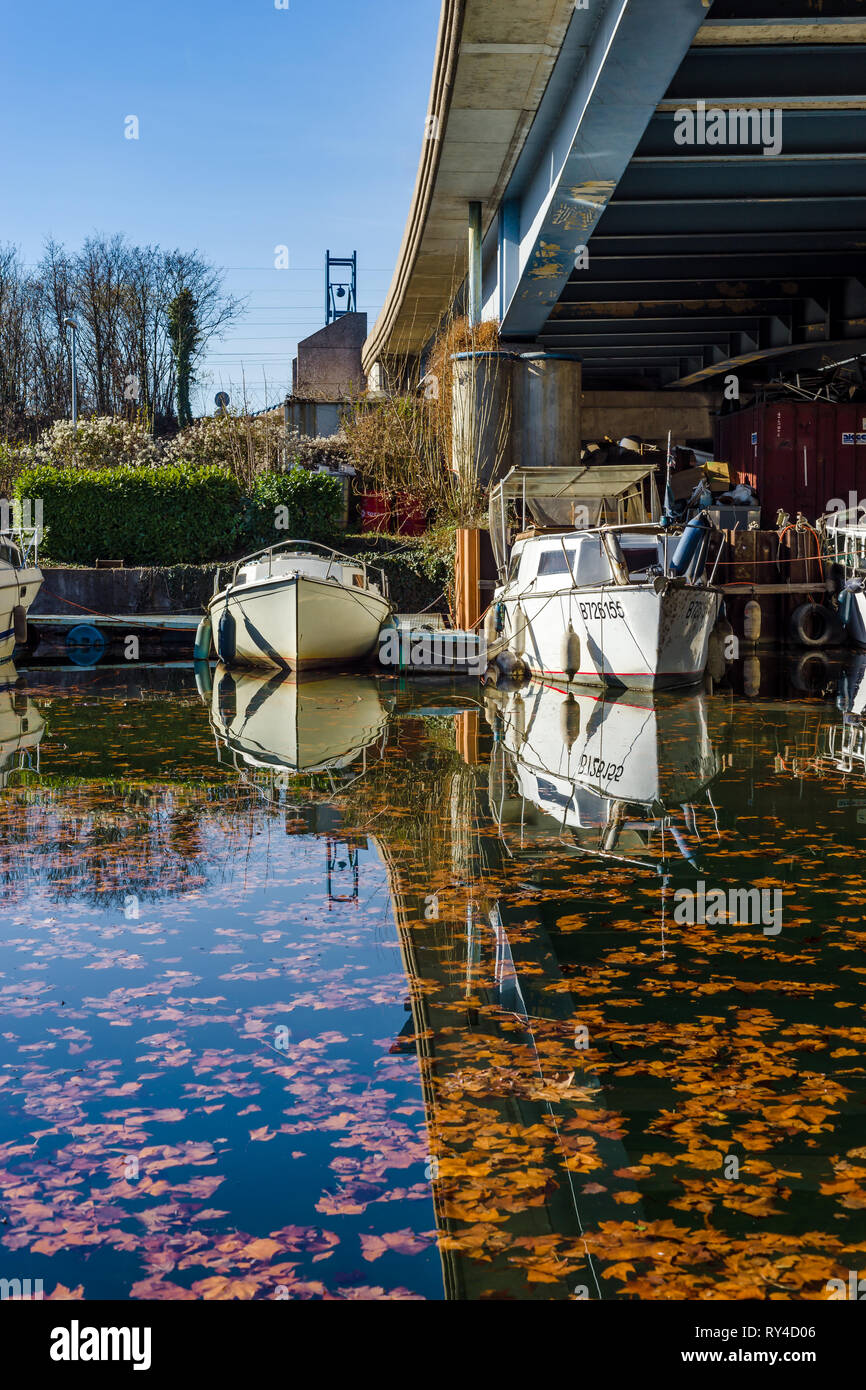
pixel 174 589
pixel 187 588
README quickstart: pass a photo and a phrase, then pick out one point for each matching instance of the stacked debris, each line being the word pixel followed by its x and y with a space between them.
pixel 696 481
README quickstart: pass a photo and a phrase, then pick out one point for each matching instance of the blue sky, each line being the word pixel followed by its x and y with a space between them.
pixel 258 127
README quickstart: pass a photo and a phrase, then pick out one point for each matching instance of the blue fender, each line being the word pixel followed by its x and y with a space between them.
pixel 690 544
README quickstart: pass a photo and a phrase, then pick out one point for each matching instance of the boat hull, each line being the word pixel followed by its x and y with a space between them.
pixel 855 620
pixel 630 635
pixel 298 623
pixel 296 724
pixel 16 587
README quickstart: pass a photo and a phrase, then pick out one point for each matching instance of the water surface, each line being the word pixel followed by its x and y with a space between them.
pixel 367 989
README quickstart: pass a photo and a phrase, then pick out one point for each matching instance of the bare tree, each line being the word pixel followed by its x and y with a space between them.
pixel 14 316
pixel 99 280
pixel 121 295
pixel 53 290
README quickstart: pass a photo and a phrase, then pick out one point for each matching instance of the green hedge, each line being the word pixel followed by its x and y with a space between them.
pixel 174 514
pixel 297 503
pixel 419 577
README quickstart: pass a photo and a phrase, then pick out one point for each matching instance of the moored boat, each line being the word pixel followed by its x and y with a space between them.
pixel 20 582
pixel 846 540
pixel 625 602
pixel 296 606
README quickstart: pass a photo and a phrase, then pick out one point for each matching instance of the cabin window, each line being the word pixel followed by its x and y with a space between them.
pixel 641 557
pixel 555 562
pixel 592 567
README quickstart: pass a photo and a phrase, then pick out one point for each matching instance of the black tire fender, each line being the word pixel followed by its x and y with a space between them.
pixel 816 625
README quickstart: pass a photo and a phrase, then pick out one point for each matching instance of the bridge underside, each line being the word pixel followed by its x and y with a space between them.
pixel 713 258
pixel 704 255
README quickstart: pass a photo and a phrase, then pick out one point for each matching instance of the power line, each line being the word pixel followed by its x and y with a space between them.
pixel 307 269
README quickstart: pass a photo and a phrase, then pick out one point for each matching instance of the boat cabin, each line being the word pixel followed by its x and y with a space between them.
pixel 314 563
pixel 580 559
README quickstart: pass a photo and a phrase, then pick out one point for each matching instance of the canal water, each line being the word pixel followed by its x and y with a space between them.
pixel 366 989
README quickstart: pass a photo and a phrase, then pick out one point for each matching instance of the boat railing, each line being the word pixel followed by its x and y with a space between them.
pixel 25 540
pixel 846 746
pixel 333 556
pixel 846 541
pixel 852 519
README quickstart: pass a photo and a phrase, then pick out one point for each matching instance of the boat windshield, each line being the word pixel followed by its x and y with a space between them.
pixel 642 553
pixel 583 558
pixel 557 561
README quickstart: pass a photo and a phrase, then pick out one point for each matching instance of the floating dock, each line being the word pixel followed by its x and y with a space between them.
pixel 127 622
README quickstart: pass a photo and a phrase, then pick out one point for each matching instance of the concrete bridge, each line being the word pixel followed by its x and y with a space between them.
pixel 666 190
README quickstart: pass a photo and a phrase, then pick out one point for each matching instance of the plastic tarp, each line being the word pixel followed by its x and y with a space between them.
pixel 573 498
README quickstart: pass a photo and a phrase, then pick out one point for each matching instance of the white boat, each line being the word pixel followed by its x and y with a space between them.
pixel 625 601
pixel 298 605
pixel 846 541
pixel 617 776
pixel 21 726
pixel 20 582
pixel 289 725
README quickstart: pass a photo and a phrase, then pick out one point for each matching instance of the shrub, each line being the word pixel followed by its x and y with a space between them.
pixel 280 506
pixel 420 573
pixel 9 464
pixel 251 445
pixel 402 439
pixel 169 515
pixel 245 444
pixel 332 451
pixel 103 441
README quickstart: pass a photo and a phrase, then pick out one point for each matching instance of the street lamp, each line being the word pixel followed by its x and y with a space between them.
pixel 70 322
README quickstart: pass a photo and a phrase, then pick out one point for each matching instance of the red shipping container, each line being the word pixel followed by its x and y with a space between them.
pixel 375 508
pixel 799 456
pixel 411 515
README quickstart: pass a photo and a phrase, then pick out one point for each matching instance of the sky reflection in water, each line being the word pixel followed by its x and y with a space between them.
pixel 358 989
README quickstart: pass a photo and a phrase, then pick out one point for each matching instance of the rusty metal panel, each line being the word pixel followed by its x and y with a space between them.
pixel 468 580
pixel 797 455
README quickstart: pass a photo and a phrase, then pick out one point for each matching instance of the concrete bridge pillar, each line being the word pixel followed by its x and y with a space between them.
pixel 481 415
pixel 546 415
pixel 509 411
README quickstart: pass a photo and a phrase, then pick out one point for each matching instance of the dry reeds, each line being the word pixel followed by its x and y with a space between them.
pixel 402 440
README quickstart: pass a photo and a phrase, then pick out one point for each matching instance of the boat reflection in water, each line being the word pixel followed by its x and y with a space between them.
pixel 277 727
pixel 546 1064
pixel 21 726
pixel 608 777
pixel 615 777
pixel 291 724
pixel 845 743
